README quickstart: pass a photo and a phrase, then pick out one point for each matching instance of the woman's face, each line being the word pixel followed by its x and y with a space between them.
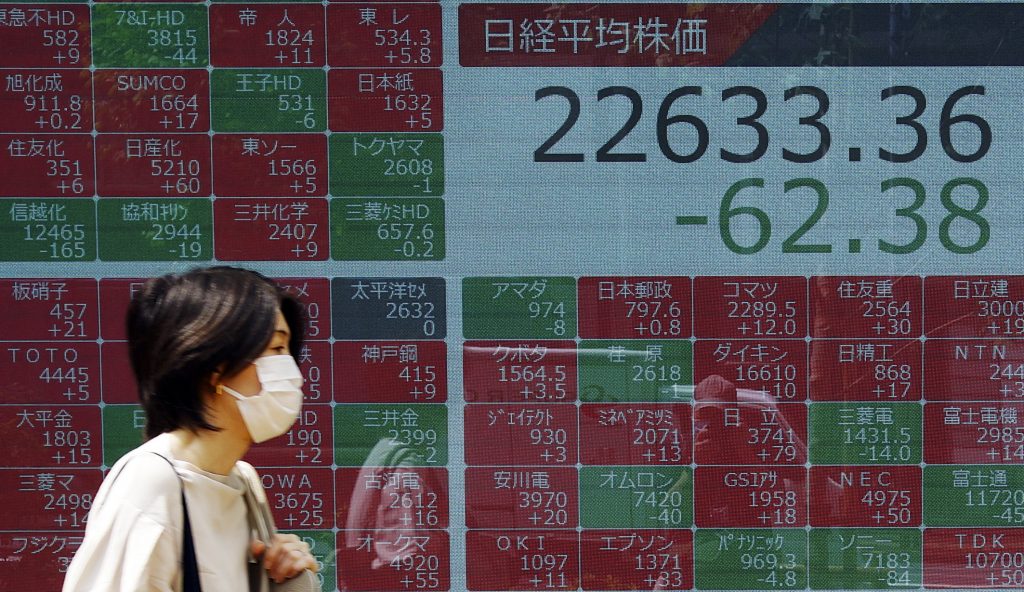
pixel 245 382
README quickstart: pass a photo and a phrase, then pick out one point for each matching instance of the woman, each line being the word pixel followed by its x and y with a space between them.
pixel 212 351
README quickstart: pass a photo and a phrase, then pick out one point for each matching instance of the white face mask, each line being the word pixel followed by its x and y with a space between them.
pixel 273 411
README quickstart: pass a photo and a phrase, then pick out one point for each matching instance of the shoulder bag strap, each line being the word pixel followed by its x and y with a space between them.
pixel 258 525
pixel 189 565
pixel 260 519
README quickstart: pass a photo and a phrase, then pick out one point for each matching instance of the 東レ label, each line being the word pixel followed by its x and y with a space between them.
pixel 393 36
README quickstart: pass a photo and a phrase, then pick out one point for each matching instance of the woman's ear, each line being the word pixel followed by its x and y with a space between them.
pixel 215 376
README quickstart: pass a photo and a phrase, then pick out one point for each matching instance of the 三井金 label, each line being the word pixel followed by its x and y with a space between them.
pixel 390 435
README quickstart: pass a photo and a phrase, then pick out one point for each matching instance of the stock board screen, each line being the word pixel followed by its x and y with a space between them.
pixel 603 296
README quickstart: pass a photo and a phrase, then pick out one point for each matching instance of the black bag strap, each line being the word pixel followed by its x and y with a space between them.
pixel 190 566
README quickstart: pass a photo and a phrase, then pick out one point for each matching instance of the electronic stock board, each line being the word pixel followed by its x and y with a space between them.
pixel 616 296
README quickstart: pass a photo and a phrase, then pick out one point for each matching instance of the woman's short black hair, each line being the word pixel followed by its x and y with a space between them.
pixel 184 327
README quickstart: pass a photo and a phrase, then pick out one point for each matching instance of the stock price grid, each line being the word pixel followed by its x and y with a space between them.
pixel 598 296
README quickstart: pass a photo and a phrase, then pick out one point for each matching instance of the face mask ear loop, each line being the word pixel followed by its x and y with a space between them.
pixel 221 389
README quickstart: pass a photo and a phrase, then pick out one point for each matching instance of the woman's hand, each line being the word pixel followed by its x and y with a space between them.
pixel 286 557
